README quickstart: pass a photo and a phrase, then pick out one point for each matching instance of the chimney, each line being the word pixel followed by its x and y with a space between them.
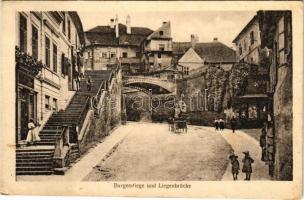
pixel 128 24
pixel 194 40
pixel 112 23
pixel 215 39
pixel 116 27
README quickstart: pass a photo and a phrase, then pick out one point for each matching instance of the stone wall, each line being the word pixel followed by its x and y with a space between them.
pixel 282 102
pixel 106 118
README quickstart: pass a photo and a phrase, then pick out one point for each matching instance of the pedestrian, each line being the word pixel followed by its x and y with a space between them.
pixel 89 84
pixel 263 143
pixel 32 134
pixel 235 165
pixel 233 124
pixel 216 124
pixel 78 83
pixel 221 124
pixel 247 168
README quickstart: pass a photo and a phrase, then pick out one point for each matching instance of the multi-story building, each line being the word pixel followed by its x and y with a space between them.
pixel 48 61
pixel 158 47
pixel 108 44
pixel 193 57
pixel 276 34
pixel 248 42
pixel 138 49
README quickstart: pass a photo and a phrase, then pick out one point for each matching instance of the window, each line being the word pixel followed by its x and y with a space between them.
pixel 103 55
pixel 47 102
pixel 54 58
pixel 69 29
pixel 113 55
pixel 186 70
pixel 55 106
pixel 124 54
pixel 34 42
pixel 23 33
pixel 281 41
pixel 63 23
pixel 251 37
pixel 161 33
pixel 159 55
pixel 47 52
pixel 138 54
pixel 63 72
pixel 240 49
pixel 161 47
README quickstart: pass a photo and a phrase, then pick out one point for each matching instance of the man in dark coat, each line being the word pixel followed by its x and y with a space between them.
pixel 263 143
pixel 233 124
pixel 216 124
pixel 247 169
pixel 221 124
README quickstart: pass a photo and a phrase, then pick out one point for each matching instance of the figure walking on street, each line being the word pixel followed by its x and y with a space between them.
pixel 235 165
pixel 263 143
pixel 216 124
pixel 32 135
pixel 247 168
pixel 233 124
pixel 221 124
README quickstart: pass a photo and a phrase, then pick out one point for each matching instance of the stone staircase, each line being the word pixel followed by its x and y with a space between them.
pixel 38 159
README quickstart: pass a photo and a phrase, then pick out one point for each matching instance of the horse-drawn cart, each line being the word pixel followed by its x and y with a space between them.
pixel 177 125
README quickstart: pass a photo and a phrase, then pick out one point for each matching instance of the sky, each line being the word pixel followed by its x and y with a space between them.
pixel 225 25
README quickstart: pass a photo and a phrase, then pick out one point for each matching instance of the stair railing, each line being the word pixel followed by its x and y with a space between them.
pixel 62 141
pixel 83 115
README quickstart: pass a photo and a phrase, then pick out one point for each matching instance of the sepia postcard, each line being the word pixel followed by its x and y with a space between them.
pixel 152 99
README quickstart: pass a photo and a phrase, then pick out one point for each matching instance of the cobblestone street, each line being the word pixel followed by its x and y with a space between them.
pixel 150 152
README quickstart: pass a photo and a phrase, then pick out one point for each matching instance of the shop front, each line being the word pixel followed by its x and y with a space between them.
pixel 252 110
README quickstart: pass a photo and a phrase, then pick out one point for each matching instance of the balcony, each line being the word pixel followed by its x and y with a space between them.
pixel 27 62
pixel 50 77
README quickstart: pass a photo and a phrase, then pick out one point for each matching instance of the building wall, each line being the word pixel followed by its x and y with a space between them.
pixel 102 56
pixel 282 100
pixel 49 81
pixel 250 52
pixel 154 45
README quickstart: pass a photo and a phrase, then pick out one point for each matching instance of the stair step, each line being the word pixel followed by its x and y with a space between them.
pixel 42 159
pixel 33 164
pixel 34 172
pixel 35 168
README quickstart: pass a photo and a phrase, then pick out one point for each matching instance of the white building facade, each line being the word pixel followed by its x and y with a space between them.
pixel 47 63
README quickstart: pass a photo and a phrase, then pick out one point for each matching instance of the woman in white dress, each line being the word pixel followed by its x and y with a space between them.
pixel 32 135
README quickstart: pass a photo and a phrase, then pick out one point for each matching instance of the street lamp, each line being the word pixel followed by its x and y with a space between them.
pixel 206 99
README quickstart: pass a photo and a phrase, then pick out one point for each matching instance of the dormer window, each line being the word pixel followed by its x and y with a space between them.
pixel 161 33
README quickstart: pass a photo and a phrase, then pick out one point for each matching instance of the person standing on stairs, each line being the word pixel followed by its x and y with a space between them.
pixel 32 135
pixel 89 84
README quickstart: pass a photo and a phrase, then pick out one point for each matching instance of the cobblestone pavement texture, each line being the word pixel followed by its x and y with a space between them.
pixel 151 152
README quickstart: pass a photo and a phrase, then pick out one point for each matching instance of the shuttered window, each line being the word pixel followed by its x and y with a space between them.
pixel 23 33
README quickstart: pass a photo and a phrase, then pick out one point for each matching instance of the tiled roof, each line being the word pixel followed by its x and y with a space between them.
pixel 212 52
pixel 105 35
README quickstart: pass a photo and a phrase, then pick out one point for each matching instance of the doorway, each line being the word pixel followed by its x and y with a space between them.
pixel 27 109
